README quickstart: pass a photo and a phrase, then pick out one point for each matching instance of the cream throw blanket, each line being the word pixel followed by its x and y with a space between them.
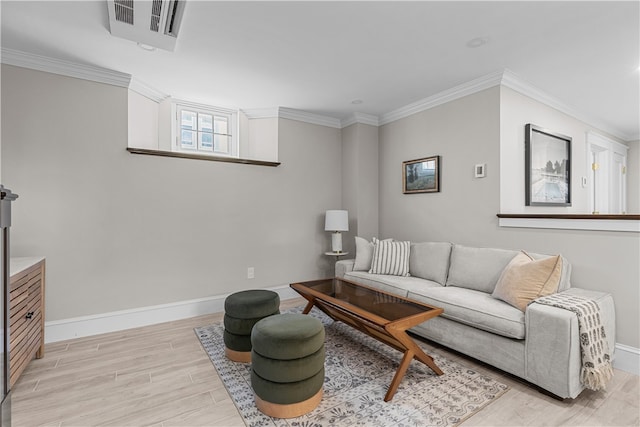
pixel 596 361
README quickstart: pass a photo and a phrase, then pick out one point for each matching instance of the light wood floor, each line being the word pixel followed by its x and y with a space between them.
pixel 160 376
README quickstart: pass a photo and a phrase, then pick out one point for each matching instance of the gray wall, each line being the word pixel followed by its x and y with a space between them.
pixel 465 132
pixel 360 181
pixel 123 231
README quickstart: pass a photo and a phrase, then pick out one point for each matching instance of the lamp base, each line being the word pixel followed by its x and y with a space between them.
pixel 336 241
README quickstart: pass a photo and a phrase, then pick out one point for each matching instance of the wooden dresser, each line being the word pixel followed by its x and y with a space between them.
pixel 26 310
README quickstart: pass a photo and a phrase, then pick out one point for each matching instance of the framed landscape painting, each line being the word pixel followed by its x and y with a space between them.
pixel 421 175
pixel 547 167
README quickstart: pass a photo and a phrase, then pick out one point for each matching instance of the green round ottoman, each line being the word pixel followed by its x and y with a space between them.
pixel 287 364
pixel 242 310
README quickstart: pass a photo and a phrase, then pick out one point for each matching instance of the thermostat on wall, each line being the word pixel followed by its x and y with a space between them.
pixel 480 170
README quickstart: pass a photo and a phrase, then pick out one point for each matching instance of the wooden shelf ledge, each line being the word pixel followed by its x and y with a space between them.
pixel 572 216
pixel 162 153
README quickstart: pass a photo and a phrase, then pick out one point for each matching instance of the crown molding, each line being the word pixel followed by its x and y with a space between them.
pixel 363 118
pixel 261 113
pixel 505 78
pixel 304 116
pixel 147 91
pixel 64 68
pixel 456 92
pixel 520 85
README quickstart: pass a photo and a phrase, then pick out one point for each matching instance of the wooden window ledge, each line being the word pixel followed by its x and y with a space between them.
pixel 200 157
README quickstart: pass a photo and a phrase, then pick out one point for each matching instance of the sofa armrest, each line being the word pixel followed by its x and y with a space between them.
pixel 344 266
pixel 552 347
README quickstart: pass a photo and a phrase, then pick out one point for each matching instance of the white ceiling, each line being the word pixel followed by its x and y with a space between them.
pixel 321 56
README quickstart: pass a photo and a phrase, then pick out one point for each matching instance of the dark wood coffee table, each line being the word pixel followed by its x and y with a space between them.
pixel 381 315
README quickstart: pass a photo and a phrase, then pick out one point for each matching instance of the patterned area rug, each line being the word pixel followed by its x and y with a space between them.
pixel 358 371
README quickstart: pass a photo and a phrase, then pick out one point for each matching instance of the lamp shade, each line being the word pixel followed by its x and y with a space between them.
pixel 336 221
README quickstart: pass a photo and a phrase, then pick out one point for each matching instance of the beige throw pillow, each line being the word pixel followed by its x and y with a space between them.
pixel 525 279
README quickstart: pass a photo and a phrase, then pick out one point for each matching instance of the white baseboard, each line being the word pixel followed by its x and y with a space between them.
pixel 626 358
pixel 84 326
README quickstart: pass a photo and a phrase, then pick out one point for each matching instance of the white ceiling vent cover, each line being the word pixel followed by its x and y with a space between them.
pixel 152 22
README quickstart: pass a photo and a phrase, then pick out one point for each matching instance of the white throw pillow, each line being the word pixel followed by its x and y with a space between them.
pixel 390 258
pixel 364 253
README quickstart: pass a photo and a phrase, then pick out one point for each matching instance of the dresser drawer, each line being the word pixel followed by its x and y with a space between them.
pixel 26 323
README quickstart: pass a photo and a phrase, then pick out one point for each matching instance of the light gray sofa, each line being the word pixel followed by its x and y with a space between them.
pixel 540 345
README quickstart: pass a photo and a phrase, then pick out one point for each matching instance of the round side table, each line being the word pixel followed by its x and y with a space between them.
pixel 336 254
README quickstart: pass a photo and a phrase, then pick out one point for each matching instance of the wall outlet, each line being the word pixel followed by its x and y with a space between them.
pixel 251 273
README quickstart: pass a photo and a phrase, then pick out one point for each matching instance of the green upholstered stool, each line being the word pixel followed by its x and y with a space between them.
pixel 287 364
pixel 242 310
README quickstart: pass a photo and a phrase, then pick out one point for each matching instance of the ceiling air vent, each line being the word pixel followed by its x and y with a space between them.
pixel 155 15
pixel 124 11
pixel 151 22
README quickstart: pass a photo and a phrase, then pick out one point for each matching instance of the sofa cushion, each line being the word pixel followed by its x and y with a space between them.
pixel 397 285
pixel 525 279
pixel 430 260
pixel 477 268
pixel 390 258
pixel 474 308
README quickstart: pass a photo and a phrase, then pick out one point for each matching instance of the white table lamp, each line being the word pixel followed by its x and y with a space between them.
pixel 336 221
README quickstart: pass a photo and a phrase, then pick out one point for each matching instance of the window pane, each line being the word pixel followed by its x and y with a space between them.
pixel 205 141
pixel 205 131
pixel 188 139
pixel 221 125
pixel 188 120
pixel 205 122
pixel 221 144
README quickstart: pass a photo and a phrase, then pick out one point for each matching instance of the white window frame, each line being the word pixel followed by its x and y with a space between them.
pixel 177 106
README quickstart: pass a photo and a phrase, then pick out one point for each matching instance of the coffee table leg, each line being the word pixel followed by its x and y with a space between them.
pixel 412 351
pixel 410 345
pixel 308 308
pixel 402 369
pixel 428 360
